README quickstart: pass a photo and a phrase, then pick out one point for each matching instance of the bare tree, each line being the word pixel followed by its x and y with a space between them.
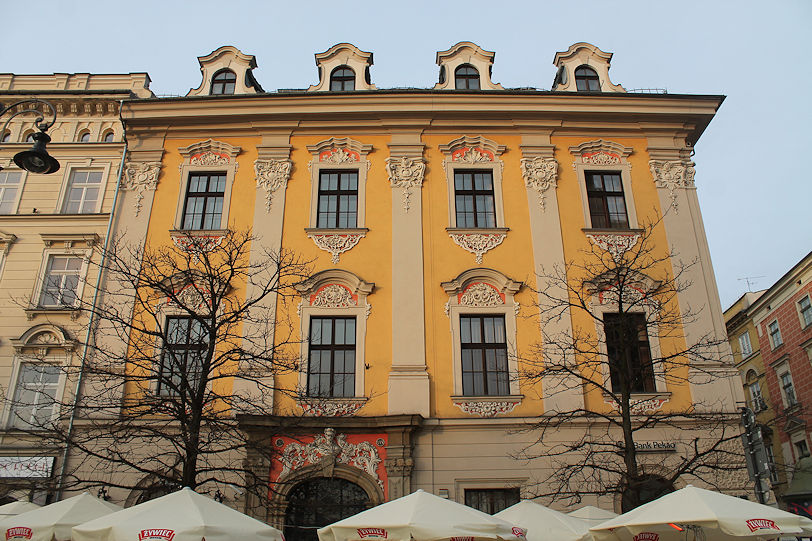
pixel 185 337
pixel 625 347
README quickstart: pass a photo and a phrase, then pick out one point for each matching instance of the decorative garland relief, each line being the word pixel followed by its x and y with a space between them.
pixel 478 243
pixel 336 244
pixel 540 174
pixel 487 408
pixel 271 175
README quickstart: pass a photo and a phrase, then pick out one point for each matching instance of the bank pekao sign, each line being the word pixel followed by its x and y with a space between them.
pixel 18 467
pixel 655 446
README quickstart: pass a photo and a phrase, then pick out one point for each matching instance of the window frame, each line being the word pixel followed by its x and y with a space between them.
pixel 206 196
pixel 641 317
pixel 604 156
pixel 20 187
pixel 482 347
pixel 467 77
pixel 604 195
pixel 170 315
pixel 782 369
pixel 338 194
pixel 802 310
pixel 203 157
pixel 333 348
pixel 47 254
pixel 83 165
pixel 492 491
pixel 475 195
pixel 13 420
pixel 589 78
pixel 223 71
pixel 771 335
pixel 342 79
pixel 746 336
pixel 69 185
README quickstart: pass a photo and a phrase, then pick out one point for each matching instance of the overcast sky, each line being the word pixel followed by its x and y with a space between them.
pixel 753 170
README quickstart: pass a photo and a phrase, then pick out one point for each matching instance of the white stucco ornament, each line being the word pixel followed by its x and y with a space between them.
pixel 487 408
pixel 481 294
pixel 405 173
pixel 139 177
pixel 271 175
pixel 478 243
pixel 329 446
pixel 335 243
pixel 540 174
pixel 673 175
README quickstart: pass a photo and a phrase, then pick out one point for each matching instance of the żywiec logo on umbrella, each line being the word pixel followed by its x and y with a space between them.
pixel 647 536
pixel 519 532
pixel 18 532
pixel 463 538
pixel 761 524
pixel 157 534
pixel 378 533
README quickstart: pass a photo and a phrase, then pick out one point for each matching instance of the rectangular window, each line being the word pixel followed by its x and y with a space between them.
pixel 775 334
pixel 788 389
pixel 338 199
pixel 84 190
pixel 629 354
pixel 331 357
pixel 182 356
pixel 805 308
pixel 9 189
pixel 768 446
pixel 473 198
pixel 484 356
pixel 35 395
pixel 491 500
pixel 61 281
pixel 203 208
pixel 744 344
pixel 607 205
pixel 756 400
pixel 801 449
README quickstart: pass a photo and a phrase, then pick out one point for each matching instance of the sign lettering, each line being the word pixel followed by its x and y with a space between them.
pixel 157 533
pixel 761 524
pixel 378 533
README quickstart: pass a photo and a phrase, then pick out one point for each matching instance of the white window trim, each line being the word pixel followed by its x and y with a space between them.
pixel 601 155
pixel 492 293
pixel 741 345
pixel 804 325
pixel 86 165
pixel 773 345
pixel 56 351
pixel 334 293
pixel 794 439
pixel 20 187
pixel 204 157
pixel 781 367
pixel 67 251
pixel 6 240
pixel 474 153
pixel 340 154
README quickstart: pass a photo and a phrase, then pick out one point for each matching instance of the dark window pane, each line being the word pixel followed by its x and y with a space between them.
pixel 338 199
pixel 484 355
pixel 607 204
pixel 474 199
pixel 203 208
pixel 331 366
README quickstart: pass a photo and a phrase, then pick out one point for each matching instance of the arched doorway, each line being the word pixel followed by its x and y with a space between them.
pixel 318 502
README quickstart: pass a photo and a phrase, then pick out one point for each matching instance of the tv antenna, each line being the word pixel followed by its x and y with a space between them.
pixel 750 281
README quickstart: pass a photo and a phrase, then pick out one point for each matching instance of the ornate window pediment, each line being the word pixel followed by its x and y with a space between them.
pixel 601 152
pixel 209 153
pixel 43 339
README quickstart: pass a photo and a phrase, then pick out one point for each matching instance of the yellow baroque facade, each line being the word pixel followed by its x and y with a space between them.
pixel 427 217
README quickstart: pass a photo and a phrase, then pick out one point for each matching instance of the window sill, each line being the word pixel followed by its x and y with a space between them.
pixel 31 313
pixel 477 230
pixel 487 406
pixel 336 230
pixel 330 407
pixel 612 231
pixel 641 403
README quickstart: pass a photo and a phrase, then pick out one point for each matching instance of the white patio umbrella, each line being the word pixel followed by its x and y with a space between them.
pixel 719 516
pixel 15 508
pixel 545 524
pixel 592 515
pixel 423 517
pixel 54 521
pixel 184 515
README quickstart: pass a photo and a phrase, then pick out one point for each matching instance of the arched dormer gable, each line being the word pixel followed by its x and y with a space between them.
pixel 335 287
pixel 343 54
pixel 209 152
pixel 469 284
pixel 578 55
pixel 43 339
pixel 227 58
pixel 466 52
pixel 478 148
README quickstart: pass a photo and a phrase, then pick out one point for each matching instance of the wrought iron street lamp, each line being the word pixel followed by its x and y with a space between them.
pixel 36 159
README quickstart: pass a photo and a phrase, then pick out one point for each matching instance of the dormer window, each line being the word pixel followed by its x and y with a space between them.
pixel 84 137
pixel 342 79
pixel 586 79
pixel 466 77
pixel 224 82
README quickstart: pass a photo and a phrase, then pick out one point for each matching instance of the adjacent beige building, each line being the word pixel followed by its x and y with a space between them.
pixel 51 230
